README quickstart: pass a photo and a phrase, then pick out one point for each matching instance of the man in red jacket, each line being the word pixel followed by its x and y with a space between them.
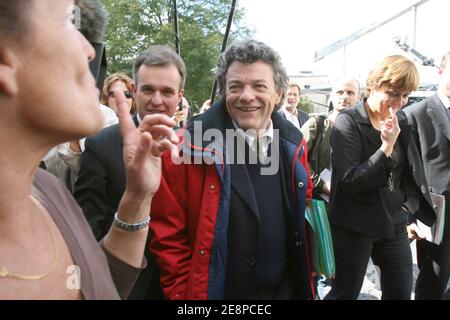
pixel 228 222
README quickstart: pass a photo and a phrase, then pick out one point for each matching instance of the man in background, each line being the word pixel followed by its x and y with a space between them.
pixel 159 78
pixel 431 120
pixel 316 131
pixel 290 111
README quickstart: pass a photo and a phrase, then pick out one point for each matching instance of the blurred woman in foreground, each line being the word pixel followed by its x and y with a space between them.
pixel 48 96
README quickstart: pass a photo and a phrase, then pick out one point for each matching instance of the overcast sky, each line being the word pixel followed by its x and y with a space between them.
pixel 298 28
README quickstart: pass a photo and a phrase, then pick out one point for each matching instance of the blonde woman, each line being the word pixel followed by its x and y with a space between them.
pixel 118 82
pixel 377 179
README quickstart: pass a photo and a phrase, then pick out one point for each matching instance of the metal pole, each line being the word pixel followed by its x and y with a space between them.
pixel 414 26
pixel 175 24
pixel 345 60
pixel 224 44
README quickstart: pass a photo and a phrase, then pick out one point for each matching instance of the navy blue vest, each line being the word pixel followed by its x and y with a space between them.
pixel 258 255
pixel 272 249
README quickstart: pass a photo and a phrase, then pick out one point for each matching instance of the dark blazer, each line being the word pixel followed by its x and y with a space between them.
pixel 432 134
pixel 360 171
pixel 98 190
pixel 101 179
pixel 302 116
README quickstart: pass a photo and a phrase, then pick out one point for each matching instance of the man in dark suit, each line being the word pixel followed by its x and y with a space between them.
pixel 431 119
pixel 289 111
pixel 159 76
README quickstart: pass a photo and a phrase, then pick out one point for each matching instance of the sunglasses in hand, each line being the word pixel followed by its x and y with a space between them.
pixel 128 94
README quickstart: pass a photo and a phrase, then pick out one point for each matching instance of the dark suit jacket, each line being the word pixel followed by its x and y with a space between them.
pixel 302 116
pixel 101 179
pixel 360 171
pixel 432 135
pixel 98 190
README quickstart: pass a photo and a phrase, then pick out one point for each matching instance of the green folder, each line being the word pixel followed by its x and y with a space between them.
pixel 320 240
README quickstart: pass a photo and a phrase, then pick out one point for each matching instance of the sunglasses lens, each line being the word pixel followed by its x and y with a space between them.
pixel 127 94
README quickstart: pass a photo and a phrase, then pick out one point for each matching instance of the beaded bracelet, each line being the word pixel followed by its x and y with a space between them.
pixel 130 226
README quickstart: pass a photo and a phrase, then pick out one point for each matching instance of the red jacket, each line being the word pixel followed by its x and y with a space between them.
pixel 184 216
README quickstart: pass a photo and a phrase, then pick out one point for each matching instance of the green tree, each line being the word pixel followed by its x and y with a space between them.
pixel 135 24
pixel 306 105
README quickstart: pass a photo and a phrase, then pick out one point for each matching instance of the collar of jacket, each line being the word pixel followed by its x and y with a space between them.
pixel 217 117
pixel 439 116
pixel 362 120
pixel 361 115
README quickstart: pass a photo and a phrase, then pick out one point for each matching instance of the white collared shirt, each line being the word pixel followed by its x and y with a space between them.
pixel 292 117
pixel 264 141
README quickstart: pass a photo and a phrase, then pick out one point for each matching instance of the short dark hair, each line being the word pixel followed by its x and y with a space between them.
pixel 295 85
pixel 247 52
pixel 160 55
pixel 14 19
pixel 94 20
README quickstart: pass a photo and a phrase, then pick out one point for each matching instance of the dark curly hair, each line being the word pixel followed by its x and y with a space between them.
pixel 247 52
pixel 14 19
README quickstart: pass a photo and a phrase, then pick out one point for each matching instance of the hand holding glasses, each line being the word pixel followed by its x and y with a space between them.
pixel 128 94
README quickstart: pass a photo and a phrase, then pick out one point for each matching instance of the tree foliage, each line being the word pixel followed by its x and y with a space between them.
pixel 305 104
pixel 136 24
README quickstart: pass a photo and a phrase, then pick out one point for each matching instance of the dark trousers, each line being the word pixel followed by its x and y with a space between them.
pixel 447 295
pixel 434 265
pixel 352 252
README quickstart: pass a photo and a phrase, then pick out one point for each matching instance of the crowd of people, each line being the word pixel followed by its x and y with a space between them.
pixel 149 202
